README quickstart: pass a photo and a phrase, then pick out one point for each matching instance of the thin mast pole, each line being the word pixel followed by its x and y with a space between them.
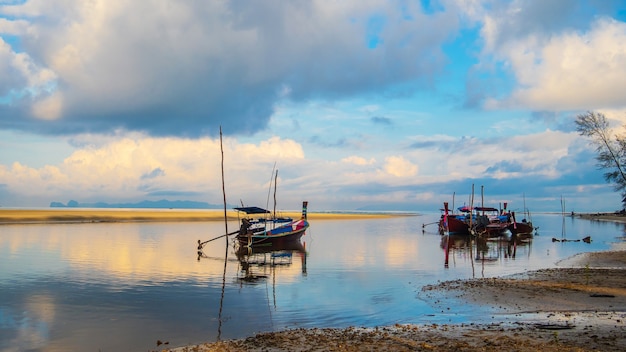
pixel 223 187
pixel 453 194
pixel 275 185
pixel 482 198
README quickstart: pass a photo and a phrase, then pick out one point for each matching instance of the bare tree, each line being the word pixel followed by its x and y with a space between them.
pixel 611 149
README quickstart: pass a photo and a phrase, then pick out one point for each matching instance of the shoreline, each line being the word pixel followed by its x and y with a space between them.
pixel 614 217
pixel 64 215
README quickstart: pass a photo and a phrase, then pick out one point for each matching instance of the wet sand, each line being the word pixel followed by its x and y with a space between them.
pixel 74 215
pixel 615 217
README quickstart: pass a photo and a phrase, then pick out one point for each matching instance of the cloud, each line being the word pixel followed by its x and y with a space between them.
pixel 135 168
pixel 381 120
pixel 22 78
pixel 183 68
pixel 400 167
pixel 357 160
pixel 560 55
pixel 572 71
pixel 153 174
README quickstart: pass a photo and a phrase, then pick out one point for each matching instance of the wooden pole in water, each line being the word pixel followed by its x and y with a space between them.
pixel 275 184
pixel 224 189
pixel 453 194
pixel 482 198
pixel 219 329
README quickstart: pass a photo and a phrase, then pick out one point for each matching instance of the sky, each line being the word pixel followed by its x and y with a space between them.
pixel 359 105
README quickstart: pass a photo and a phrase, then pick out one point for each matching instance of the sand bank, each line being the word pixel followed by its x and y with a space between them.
pixel 614 217
pixel 65 215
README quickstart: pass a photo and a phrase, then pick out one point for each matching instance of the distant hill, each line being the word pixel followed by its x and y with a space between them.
pixel 146 204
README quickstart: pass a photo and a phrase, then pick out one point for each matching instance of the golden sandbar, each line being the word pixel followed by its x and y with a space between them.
pixel 64 215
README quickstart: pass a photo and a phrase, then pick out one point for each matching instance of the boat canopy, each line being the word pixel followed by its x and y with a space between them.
pixel 252 210
pixel 485 209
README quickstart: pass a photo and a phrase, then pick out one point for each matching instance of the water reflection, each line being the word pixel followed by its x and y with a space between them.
pixel 484 250
pixel 74 286
pixel 260 262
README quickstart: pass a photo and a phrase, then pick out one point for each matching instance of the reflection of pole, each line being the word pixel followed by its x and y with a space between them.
pixel 303 254
pixel 219 316
pixel 274 285
pixel 471 251
pixel 445 264
pixel 447 227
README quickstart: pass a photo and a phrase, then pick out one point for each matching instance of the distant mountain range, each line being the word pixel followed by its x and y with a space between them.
pixel 146 204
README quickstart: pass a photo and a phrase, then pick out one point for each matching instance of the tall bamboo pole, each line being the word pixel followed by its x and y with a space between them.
pixel 219 329
pixel 223 187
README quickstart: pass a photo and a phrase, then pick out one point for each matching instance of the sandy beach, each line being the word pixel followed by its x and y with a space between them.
pixel 76 215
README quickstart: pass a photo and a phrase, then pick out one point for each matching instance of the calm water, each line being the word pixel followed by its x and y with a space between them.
pixel 123 286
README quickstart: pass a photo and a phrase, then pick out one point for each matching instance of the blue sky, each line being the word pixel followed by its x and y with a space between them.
pixel 392 105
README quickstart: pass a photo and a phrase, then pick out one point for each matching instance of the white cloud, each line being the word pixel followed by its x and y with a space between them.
pixel 570 70
pixel 117 169
pixel 22 77
pixel 400 167
pixel 357 160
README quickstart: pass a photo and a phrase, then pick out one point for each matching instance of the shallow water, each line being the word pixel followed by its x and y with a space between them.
pixel 124 286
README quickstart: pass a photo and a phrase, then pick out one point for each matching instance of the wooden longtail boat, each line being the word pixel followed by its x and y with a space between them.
pixel 490 222
pixel 455 224
pixel 272 230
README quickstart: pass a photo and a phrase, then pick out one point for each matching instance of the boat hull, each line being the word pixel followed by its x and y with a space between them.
pixel 456 225
pixel 522 228
pixel 284 234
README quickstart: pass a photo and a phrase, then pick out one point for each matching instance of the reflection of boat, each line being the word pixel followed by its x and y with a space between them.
pixel 269 255
pixel 270 231
pixel 482 249
pixel 455 242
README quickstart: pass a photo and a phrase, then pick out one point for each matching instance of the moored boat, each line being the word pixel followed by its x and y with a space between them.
pixel 272 230
pixel 456 224
pixel 524 227
pixel 491 222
